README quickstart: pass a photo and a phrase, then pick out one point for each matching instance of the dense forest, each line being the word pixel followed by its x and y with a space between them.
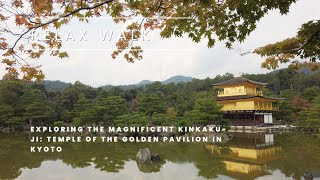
pixel 186 103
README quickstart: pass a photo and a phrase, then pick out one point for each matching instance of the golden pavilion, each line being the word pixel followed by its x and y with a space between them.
pixel 246 156
pixel 243 102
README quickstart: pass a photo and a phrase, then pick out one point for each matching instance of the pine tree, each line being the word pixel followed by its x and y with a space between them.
pixel 36 108
pixel 311 116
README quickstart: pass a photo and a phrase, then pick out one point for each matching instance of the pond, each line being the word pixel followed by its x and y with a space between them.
pixel 246 156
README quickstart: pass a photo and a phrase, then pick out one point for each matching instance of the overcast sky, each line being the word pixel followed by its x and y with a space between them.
pixel 90 62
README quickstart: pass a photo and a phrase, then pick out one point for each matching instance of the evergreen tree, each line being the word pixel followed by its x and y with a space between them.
pixel 311 116
pixel 150 104
pixel 132 119
pixel 206 111
pixel 36 108
pixel 110 107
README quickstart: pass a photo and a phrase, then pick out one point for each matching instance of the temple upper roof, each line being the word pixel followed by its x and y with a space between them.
pixel 238 81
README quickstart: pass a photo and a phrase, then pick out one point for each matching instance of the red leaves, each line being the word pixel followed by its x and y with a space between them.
pixel 17 3
pixel 3 18
pixel 43 7
pixel 3 45
pixel 300 103
pixel 21 47
pixel 22 20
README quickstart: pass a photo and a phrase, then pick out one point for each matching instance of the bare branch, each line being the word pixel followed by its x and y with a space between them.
pixel 240 52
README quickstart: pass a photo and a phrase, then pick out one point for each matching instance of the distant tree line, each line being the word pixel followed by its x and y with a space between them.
pixel 190 103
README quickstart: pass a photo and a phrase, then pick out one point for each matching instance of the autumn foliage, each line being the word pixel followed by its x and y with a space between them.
pixel 228 21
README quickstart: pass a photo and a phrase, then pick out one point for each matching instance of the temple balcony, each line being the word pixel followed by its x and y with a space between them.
pixel 249 108
pixel 267 108
pixel 222 93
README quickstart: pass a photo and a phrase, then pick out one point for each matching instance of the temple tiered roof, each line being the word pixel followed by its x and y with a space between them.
pixel 238 81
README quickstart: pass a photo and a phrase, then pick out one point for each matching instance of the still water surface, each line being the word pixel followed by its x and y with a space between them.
pixel 246 156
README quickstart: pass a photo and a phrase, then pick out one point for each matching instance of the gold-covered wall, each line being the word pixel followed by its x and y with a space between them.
pixel 239 90
pixel 237 105
pixel 248 162
pixel 242 105
pixel 249 154
pixel 242 167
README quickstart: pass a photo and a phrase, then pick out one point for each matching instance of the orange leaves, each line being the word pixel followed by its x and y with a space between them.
pixel 43 7
pixel 300 103
pixel 272 62
pixel 63 54
pixel 3 45
pixel 134 53
pixel 115 54
pixel 126 40
pixel 9 52
pixel 303 46
pixel 22 20
pixel 41 14
pixel 17 4
pixel 36 51
pixel 3 18
pixel 53 40
pixel 153 23
pixel 21 47
pixel 8 62
pixel 11 74
pixel 31 73
pixel 296 65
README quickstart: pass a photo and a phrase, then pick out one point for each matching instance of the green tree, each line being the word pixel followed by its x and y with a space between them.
pixel 6 112
pixel 82 104
pixel 311 116
pixel 162 119
pixel 84 111
pixel 36 108
pixel 133 119
pixel 10 92
pixel 310 93
pixel 286 112
pixel 16 122
pixel 88 116
pixel 110 107
pixel 205 111
pixel 150 104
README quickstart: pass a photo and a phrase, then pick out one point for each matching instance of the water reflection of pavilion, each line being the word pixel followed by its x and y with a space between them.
pixel 246 155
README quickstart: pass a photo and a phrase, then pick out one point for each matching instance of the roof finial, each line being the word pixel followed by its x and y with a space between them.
pixel 239 74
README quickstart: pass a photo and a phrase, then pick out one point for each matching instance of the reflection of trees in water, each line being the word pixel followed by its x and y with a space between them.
pixel 15 154
pixel 109 157
pixel 150 168
pixel 300 153
pixel 208 165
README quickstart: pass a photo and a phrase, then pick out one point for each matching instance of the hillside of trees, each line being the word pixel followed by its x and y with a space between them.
pixel 187 103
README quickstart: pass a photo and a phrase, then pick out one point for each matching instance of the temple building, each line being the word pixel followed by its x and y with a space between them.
pixel 243 102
